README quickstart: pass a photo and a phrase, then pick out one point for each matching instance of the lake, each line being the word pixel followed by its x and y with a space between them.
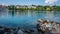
pixel 26 19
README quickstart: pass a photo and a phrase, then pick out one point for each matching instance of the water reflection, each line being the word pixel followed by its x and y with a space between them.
pixel 25 18
pixel 49 14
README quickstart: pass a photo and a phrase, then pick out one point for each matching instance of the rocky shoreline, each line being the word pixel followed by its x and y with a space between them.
pixel 18 30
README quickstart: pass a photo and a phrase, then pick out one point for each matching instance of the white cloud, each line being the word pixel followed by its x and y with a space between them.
pixel 50 1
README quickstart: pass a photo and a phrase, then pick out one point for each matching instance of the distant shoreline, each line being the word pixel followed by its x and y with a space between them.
pixel 34 7
pixel 31 7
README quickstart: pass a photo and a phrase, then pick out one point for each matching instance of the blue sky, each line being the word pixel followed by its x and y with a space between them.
pixel 26 2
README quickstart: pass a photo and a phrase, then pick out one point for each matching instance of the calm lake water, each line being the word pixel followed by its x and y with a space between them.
pixel 26 19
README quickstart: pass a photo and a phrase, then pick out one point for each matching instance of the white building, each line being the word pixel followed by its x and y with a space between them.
pixel 25 6
pixel 30 6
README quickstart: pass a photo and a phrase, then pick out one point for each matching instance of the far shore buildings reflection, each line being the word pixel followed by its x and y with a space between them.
pixel 28 13
pixel 4 9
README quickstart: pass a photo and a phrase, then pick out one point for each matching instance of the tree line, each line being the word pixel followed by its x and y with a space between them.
pixel 39 7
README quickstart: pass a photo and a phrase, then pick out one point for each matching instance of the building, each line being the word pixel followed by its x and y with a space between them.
pixel 30 6
pixel 21 6
pixel 3 7
pixel 25 6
